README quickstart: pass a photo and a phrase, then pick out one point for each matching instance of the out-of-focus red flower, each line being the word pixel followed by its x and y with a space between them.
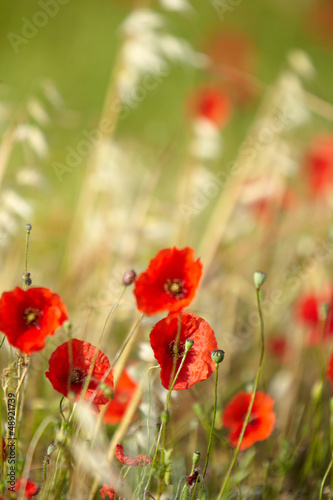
pixel 234 58
pixel 30 488
pixel 307 311
pixel 28 317
pixel 170 282
pixel 129 460
pixel 59 370
pixel 320 21
pixel 211 103
pixel 277 346
pixel 261 423
pixel 329 372
pixel 266 197
pixel 198 364
pixel 124 392
pixel 107 491
pixel 318 165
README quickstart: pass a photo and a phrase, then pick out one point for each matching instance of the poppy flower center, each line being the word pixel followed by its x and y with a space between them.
pixel 174 351
pixel 252 421
pixel 31 316
pixel 78 376
pixel 175 288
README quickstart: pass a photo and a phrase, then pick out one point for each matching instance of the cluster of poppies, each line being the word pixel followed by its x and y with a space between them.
pixel 170 283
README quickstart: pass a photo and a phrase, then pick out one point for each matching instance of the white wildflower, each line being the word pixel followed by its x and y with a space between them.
pixel 207 141
pixel 28 176
pixel 176 5
pixel 16 204
pixel 37 111
pixel 301 63
pixel 35 138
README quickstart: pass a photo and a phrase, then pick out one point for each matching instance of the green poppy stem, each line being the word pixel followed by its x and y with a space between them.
pixel 247 418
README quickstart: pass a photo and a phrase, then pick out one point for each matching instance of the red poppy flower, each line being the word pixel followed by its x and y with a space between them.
pixel 28 317
pixel 124 392
pixel 170 282
pixel 107 492
pixel 261 423
pixel 307 312
pixel 59 372
pixel 234 58
pixel 278 346
pixel 329 372
pixel 31 488
pixel 318 165
pixel 198 364
pixel 319 21
pixel 129 460
pixel 211 103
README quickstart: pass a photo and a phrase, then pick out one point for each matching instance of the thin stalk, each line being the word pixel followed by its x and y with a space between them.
pixel 162 428
pixel 247 418
pixel 213 422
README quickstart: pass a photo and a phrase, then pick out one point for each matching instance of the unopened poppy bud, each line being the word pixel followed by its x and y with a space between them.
pixel 129 277
pixel 195 458
pixel 165 417
pixel 107 391
pixel 67 326
pixel 217 356
pixel 28 227
pixel 50 449
pixel 203 493
pixel 169 476
pixel 188 344
pixel 185 494
pixel 259 278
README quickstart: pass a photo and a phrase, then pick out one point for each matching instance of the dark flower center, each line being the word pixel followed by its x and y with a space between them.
pixel 252 421
pixel 175 288
pixel 31 316
pixel 174 351
pixel 78 376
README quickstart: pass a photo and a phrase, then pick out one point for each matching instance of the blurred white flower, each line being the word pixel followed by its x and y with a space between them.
pixel 176 5
pixel 15 204
pixel 37 111
pixel 28 176
pixel 301 63
pixel 148 48
pixel 34 137
pixel 146 353
pixel 207 142
pixel 51 93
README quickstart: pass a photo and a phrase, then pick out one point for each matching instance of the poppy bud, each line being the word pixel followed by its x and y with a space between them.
pixel 129 277
pixel 50 449
pixel 195 458
pixel 259 278
pixel 165 417
pixel 188 344
pixel 28 227
pixel 169 476
pixel 67 326
pixel 217 356
pixel 203 493
pixel 107 391
pixel 185 493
